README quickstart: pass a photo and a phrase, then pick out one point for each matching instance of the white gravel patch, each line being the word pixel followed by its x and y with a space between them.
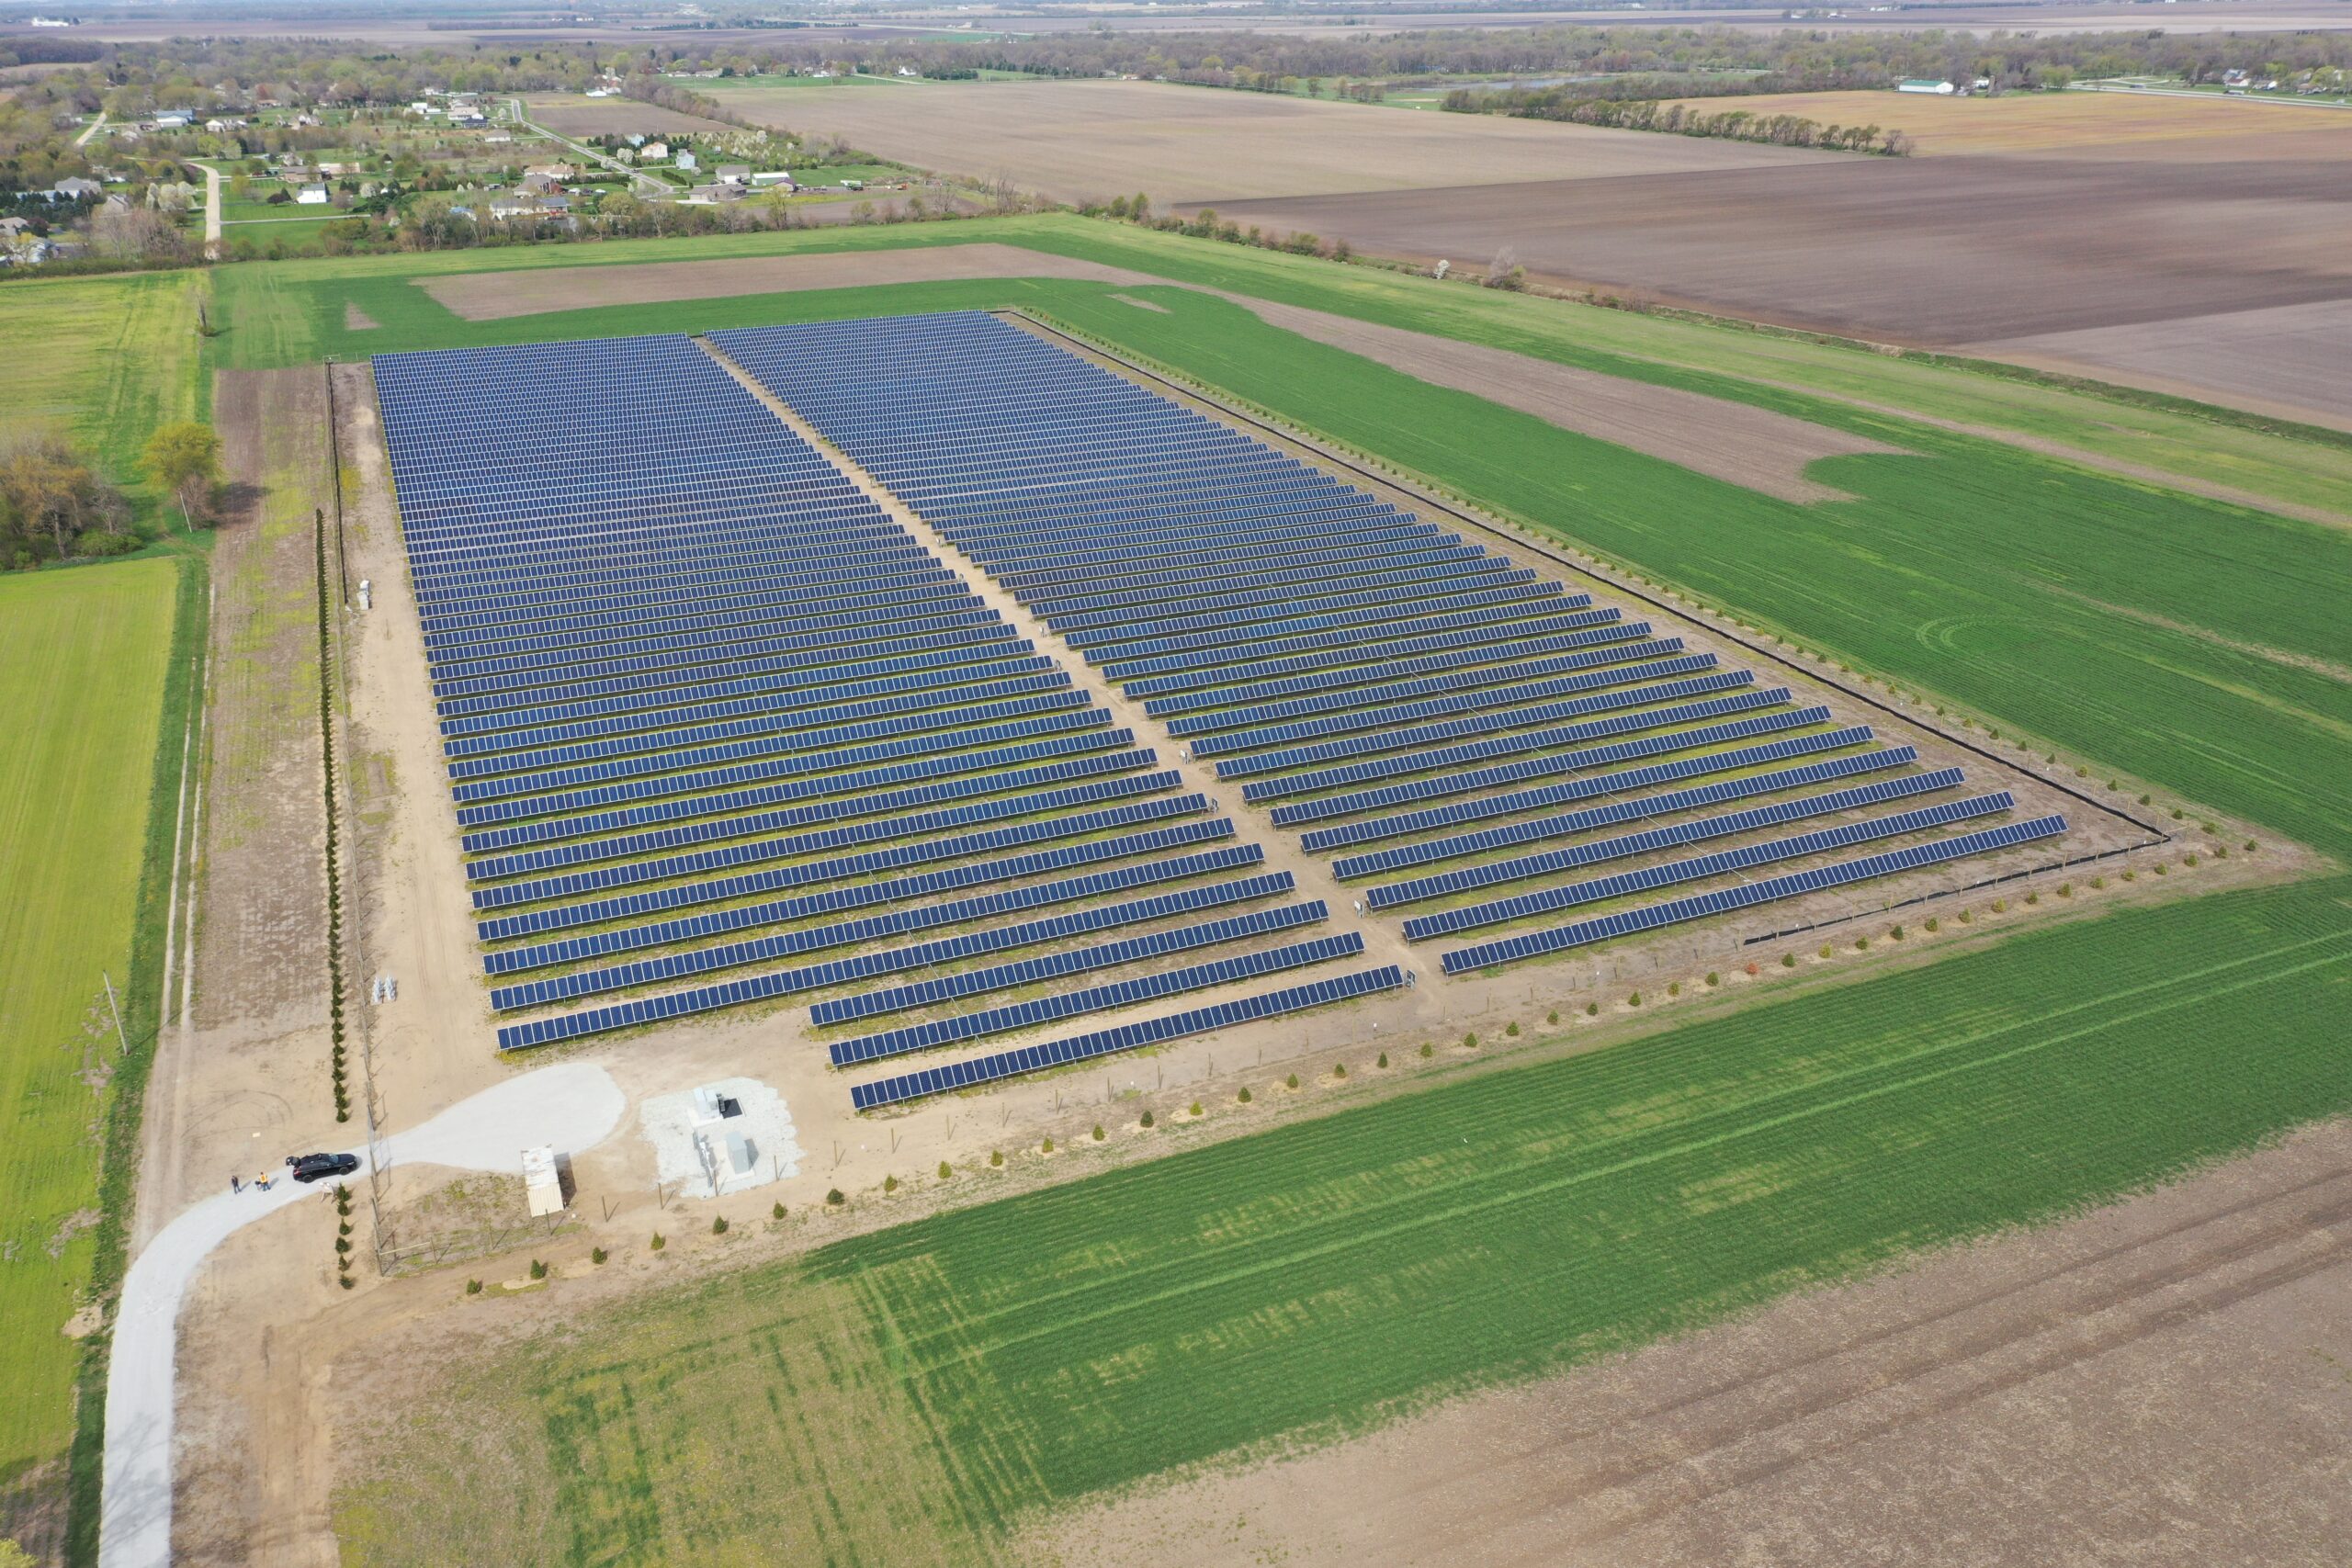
pixel 690 1147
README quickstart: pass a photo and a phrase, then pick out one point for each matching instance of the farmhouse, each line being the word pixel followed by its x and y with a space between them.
pixel 733 174
pixel 312 196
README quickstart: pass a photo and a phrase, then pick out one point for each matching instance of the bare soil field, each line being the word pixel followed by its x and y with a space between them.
pixel 1756 447
pixel 2164 1381
pixel 1081 140
pixel 572 116
pixel 492 296
pixel 2289 360
pixel 1939 252
pixel 2073 125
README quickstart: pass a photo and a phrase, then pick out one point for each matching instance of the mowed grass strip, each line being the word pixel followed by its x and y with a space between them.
pixel 85 651
pixel 1310 1282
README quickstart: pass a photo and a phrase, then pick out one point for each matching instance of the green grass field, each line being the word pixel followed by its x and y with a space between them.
pixel 1308 1282
pixel 118 356
pixel 85 652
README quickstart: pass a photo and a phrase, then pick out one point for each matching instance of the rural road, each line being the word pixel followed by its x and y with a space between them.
pixel 589 155
pixel 573 1106
pixel 211 210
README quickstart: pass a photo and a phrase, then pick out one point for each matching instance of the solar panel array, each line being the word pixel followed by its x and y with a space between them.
pixel 1374 678
pixel 707 709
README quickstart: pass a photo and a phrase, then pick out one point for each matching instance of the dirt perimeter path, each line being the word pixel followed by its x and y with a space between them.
pixel 2164 1381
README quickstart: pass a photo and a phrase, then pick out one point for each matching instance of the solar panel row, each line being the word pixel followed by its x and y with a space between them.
pixel 1125 1037
pixel 1511 950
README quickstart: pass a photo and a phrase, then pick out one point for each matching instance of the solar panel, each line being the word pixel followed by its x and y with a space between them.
pixel 1445 922
pixel 1098 998
pixel 1510 950
pixel 1125 1037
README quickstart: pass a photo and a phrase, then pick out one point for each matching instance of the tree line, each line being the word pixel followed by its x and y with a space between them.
pixel 1638 114
pixel 55 503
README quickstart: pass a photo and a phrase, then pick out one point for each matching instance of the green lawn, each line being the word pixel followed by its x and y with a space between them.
pixel 86 652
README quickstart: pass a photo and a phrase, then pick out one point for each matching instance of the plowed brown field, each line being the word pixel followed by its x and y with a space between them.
pixel 1081 141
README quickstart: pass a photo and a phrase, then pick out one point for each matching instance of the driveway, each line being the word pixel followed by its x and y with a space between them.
pixel 573 1106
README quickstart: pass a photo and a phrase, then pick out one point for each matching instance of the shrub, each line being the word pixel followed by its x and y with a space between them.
pixel 2188 860
pixel 1934 925
pixel 996 1157
pixel 1098 1132
pixel 1634 1001
pixel 1674 987
pixel 658 1241
pixel 538 1268
pixel 1899 933
pixel 945 1171
pixel 2249 846
pixel 1714 979
pixel 597 1254
pixel 1244 1095
pixel 1788 961
pixel 1384 1059
pixel 2143 800
pixel 346 1281
pixel 718 1225
pixel 2000 906
pixel 1147 1118
pixel 473 1286
pixel 2129 874
pixel 1551 1017
pixel 1592 1010
pixel 2098 883
pixel 1470 1041
pixel 1292 1081
pixel 2162 868
pixel 1511 1030
pixel 1427 1050
pixel 342 1243
pixel 1824 950
pixel 1861 944
pixel 2065 890
pixel 1966 918
pixel 776 1210
pixel 1196 1108
pixel 890 1183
